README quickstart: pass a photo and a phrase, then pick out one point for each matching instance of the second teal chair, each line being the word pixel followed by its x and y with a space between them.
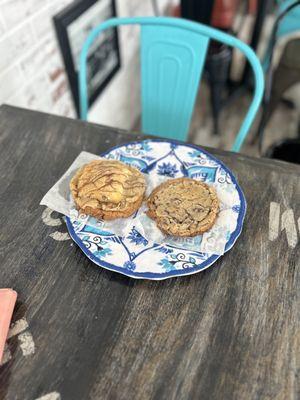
pixel 291 21
pixel 287 21
pixel 173 52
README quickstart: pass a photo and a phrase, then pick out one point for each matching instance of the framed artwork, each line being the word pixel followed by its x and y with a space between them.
pixel 72 25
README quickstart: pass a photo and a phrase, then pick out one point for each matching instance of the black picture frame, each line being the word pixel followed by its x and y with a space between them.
pixel 105 51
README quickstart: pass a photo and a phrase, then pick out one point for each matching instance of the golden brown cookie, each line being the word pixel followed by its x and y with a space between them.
pixel 183 207
pixel 108 189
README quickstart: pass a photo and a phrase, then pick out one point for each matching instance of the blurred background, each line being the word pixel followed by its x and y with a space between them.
pixel 40 43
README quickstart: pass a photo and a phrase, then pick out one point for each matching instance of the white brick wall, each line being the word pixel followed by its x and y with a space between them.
pixel 32 73
pixel 31 69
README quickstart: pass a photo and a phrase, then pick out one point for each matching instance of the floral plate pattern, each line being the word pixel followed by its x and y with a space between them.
pixel 136 256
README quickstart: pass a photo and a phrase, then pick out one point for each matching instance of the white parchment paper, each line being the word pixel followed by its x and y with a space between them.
pixel 58 198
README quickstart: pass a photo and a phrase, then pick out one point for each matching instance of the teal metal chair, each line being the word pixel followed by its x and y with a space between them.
pixel 280 78
pixel 173 52
pixel 287 21
pixel 290 22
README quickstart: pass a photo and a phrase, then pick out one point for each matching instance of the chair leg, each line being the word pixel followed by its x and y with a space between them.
pixel 216 91
pixel 266 114
pixel 217 66
pixel 269 105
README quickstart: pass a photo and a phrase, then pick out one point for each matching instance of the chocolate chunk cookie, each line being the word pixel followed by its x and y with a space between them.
pixel 108 189
pixel 183 207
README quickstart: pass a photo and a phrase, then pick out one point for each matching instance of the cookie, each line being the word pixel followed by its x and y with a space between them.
pixel 183 207
pixel 108 189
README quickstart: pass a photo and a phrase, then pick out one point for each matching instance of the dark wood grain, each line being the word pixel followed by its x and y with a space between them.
pixel 230 332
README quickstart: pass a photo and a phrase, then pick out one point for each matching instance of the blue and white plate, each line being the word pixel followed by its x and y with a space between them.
pixel 137 256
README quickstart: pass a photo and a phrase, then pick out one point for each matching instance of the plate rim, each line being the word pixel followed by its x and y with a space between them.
pixel 171 274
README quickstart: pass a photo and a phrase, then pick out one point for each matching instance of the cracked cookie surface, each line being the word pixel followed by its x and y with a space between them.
pixel 108 189
pixel 183 207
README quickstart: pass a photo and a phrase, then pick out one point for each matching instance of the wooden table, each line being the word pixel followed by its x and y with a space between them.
pixel 80 332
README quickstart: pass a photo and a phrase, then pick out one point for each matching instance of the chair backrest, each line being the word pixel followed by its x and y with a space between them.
pixel 173 52
pixel 287 21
